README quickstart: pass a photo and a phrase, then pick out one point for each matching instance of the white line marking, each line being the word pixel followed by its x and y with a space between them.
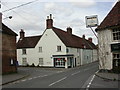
pixel 75 73
pixel 44 75
pixel 34 77
pixel 59 71
pixel 57 81
pixel 91 80
pixel 30 78
pixel 23 80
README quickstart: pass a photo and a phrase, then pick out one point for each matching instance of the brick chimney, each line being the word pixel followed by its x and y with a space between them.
pixel 90 39
pixel 83 36
pixel 49 22
pixel 22 34
pixel 69 30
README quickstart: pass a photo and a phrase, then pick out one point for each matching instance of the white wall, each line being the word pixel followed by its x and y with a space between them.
pixel 49 42
pixel 105 55
pixel 87 56
pixel 48 49
pixel 77 54
pixel 30 56
pixel 95 55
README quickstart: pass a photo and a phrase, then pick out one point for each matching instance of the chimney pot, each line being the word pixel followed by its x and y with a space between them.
pixel 90 39
pixel 22 34
pixel 69 30
pixel 84 36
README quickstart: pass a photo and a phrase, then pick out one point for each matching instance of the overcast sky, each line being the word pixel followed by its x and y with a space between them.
pixel 32 17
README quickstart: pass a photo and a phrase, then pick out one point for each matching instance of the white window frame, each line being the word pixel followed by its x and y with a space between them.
pixel 40 49
pixel 41 63
pixel 24 51
pixel 59 48
pixel 24 60
pixel 11 62
pixel 116 34
pixel 116 56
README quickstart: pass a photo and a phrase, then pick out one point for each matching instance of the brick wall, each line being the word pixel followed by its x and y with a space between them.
pixel 8 53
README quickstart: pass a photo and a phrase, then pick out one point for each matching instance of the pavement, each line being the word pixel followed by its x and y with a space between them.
pixel 9 78
pixel 108 76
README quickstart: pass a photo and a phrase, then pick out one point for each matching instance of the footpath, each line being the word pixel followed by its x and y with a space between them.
pixel 108 76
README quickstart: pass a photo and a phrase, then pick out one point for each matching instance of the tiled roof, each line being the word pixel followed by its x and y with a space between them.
pixel 28 42
pixel 7 30
pixel 112 19
pixel 71 40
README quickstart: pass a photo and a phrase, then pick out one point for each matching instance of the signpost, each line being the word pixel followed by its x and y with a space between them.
pixel 92 21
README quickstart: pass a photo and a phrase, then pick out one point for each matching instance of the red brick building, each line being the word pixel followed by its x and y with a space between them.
pixel 8 52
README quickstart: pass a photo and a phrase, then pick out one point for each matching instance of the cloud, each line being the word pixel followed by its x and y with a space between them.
pixel 82 3
pixel 57 8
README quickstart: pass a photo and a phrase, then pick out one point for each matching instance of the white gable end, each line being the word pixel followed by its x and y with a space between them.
pixel 49 42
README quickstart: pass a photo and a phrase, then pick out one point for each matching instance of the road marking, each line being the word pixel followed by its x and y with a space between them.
pixel 23 80
pixel 75 73
pixel 29 78
pixel 57 81
pixel 44 75
pixel 91 80
pixel 34 77
pixel 59 71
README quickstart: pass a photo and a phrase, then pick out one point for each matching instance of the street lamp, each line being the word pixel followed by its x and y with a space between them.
pixel 10 17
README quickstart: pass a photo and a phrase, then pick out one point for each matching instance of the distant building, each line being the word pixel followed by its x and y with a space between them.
pixel 109 40
pixel 8 52
pixel 55 48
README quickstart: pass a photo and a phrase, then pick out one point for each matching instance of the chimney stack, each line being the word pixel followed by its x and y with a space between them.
pixel 90 39
pixel 69 30
pixel 83 36
pixel 49 22
pixel 22 34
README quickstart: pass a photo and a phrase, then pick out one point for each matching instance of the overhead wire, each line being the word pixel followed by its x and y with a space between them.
pixel 25 19
pixel 19 6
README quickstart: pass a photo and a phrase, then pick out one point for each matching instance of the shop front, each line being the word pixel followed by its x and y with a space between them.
pixel 63 61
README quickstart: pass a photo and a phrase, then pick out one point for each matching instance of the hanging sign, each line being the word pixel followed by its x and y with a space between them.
pixel 91 21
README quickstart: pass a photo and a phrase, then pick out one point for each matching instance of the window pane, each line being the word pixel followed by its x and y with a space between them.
pixel 24 51
pixel 40 49
pixel 116 34
pixel 58 48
